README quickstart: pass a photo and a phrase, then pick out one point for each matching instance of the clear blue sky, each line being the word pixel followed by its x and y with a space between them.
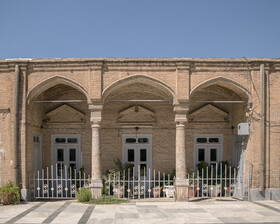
pixel 139 28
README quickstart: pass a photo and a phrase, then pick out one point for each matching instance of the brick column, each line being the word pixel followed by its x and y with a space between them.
pixel 181 183
pixel 96 172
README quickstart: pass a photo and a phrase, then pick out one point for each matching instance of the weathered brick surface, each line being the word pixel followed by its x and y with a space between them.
pixel 174 80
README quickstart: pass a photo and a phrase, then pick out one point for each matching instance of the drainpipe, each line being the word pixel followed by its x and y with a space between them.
pixel 15 162
pixel 262 128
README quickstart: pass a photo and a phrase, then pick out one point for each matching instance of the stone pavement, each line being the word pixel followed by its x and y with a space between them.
pixel 143 212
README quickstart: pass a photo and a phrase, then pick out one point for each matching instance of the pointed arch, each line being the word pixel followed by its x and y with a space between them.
pixel 50 82
pixel 143 79
pixel 243 92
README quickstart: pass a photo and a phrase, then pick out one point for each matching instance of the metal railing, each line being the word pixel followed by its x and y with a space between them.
pixel 218 180
pixel 134 184
pixel 59 182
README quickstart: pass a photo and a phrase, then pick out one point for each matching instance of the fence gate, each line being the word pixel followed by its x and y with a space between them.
pixel 59 182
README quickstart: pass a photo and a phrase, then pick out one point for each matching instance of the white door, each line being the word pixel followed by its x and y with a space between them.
pixel 209 154
pixel 66 151
pixel 66 155
pixel 37 152
pixel 138 151
pixel 208 148
pixel 138 156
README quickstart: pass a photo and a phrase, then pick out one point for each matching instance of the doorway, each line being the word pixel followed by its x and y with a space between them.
pixel 137 150
pixel 66 153
pixel 37 152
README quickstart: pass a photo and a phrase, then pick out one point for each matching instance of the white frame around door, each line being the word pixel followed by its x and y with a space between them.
pixel 66 147
pixel 37 151
pixel 137 148
pixel 207 146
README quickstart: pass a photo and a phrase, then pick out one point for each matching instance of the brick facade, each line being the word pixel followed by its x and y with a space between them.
pixel 108 81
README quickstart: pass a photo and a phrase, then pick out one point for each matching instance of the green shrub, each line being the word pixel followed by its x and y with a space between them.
pixel 83 195
pixel 9 194
pixel 105 200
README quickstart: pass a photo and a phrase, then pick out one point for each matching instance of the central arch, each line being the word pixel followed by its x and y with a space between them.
pixel 140 79
pixel 139 107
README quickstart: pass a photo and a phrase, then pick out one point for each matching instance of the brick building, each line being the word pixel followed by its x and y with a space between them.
pixel 158 113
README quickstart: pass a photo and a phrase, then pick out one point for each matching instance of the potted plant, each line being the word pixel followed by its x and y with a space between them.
pixel 9 194
pixel 116 189
pixel 156 191
pixel 192 188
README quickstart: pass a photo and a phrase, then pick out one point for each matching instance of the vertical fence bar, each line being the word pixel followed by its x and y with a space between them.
pixel 229 182
pixel 48 182
pixel 149 182
pixel 193 185
pixel 128 185
pixel 202 180
pixel 61 165
pixel 234 174
pixel 123 183
pixel 164 193
pixel 211 188
pixel 80 179
pixel 133 179
pixel 56 175
pixel 70 177
pixel 42 182
pixel 221 179
pixel 144 182
pixel 34 181
pixel 139 184
pixel 168 179
pixel 159 183
pixel 84 179
pixel 216 179
pixel 225 180
pixel 114 185
pixel 207 178
pixel 109 185
pixel 66 180
pixel 198 183
pixel 154 183
pixel 119 184
pixel 52 188
pixel 75 180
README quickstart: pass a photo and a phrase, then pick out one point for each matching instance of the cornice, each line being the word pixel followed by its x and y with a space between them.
pixel 140 64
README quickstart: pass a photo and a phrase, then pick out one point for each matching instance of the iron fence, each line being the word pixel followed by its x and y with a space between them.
pixel 218 180
pixel 138 184
pixel 60 182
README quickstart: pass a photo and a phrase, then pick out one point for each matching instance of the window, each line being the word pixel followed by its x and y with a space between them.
pixel 60 155
pixel 130 155
pixel 130 140
pixel 213 140
pixel 72 140
pixel 201 140
pixel 143 140
pixel 201 156
pixel 60 140
pixel 208 148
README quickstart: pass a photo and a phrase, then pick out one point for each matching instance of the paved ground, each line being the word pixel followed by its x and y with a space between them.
pixel 143 212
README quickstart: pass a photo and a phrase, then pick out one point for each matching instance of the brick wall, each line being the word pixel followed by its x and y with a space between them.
pixel 89 78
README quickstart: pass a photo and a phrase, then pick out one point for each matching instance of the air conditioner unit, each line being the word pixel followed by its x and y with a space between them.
pixel 243 129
